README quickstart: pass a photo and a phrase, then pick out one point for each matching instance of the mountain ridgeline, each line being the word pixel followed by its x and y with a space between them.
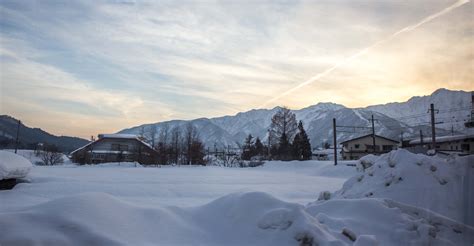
pixel 392 120
pixel 30 137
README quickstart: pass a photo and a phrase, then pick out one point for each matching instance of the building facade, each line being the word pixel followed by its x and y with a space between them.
pixel 458 144
pixel 115 148
pixel 354 149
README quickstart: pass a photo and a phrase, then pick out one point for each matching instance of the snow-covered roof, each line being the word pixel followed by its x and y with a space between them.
pixel 118 135
pixel 369 135
pixel 443 139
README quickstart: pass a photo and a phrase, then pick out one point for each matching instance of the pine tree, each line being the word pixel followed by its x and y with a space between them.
pixel 248 148
pixel 284 148
pixel 259 148
pixel 301 145
pixel 296 147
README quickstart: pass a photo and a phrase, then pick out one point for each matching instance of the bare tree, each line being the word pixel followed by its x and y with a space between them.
pixel 151 135
pixel 164 134
pixel 190 136
pixel 175 143
pixel 50 155
pixel 162 147
pixel 282 130
pixel 141 132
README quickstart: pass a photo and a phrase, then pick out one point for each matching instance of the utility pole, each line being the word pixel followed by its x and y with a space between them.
pixel 433 131
pixel 17 136
pixel 268 145
pixel 470 123
pixel 373 134
pixel 421 137
pixel 401 139
pixel 334 140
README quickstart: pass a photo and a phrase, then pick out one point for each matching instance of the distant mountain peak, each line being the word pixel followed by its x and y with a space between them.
pixel 317 119
pixel 325 106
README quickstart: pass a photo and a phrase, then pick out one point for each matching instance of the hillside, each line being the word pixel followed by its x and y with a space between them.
pixel 29 137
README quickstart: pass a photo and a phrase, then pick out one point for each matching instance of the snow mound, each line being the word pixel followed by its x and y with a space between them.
pixel 101 219
pixel 440 185
pixel 253 218
pixel 385 222
pixel 13 166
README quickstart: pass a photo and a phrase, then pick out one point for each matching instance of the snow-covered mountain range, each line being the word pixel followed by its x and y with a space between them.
pixel 392 120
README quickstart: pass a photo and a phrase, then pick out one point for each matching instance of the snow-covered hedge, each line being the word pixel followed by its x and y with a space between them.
pixel 13 166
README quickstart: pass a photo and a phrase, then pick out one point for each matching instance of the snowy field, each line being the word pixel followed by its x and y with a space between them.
pixel 178 185
pixel 396 199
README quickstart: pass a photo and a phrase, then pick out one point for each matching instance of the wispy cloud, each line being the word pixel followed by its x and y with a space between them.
pixel 117 64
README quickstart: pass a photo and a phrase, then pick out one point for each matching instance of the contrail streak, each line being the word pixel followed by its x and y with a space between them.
pixel 365 50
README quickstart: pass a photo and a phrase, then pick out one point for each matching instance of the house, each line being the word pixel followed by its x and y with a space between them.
pixel 460 144
pixel 115 148
pixel 355 148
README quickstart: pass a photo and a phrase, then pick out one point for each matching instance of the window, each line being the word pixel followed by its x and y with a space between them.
pixel 124 147
pixel 115 146
pixel 387 147
pixel 98 156
pixel 119 147
pixel 465 147
pixel 356 146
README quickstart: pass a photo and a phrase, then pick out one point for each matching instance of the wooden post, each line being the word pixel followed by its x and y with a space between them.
pixel 17 136
pixel 334 140
pixel 421 137
pixel 401 139
pixel 433 131
pixel 373 134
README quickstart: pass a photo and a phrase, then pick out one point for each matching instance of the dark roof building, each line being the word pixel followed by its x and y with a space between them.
pixel 115 148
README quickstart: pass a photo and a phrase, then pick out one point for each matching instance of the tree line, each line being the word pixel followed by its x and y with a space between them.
pixel 179 145
pixel 287 140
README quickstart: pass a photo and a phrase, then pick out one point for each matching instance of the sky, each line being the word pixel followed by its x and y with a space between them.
pixel 86 67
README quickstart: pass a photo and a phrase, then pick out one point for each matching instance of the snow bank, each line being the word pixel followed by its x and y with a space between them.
pixel 385 222
pixel 440 185
pixel 101 219
pixel 13 166
pixel 253 218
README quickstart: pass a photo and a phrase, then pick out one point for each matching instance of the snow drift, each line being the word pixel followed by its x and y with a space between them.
pixel 253 218
pixel 385 204
pixel 441 185
pixel 13 166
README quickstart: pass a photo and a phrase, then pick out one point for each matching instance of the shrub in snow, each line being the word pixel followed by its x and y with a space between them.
pixel 49 156
pixel 325 195
pixel 13 166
